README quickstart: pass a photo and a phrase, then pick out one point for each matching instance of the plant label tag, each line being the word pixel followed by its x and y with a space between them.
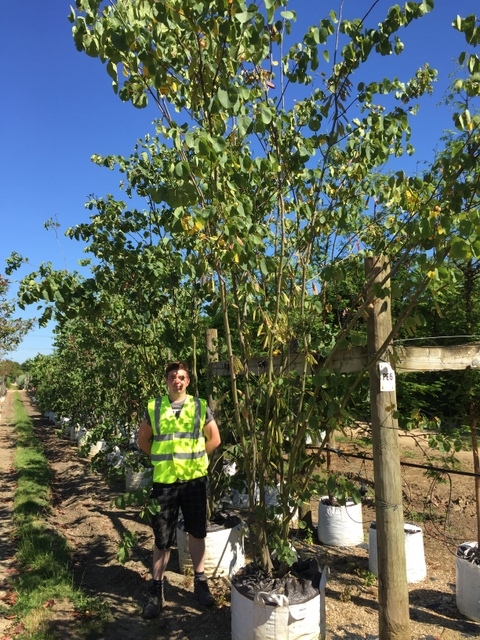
pixel 387 377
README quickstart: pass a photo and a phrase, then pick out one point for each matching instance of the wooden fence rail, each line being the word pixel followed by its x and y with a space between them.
pixel 404 360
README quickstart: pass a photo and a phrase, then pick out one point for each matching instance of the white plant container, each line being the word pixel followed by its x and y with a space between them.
pixel 270 616
pixel 414 552
pixel 74 429
pixel 138 479
pixel 115 458
pixel 224 550
pixel 82 435
pixel 317 439
pixel 241 501
pixel 64 424
pixel 96 447
pixel 338 525
pixel 467 582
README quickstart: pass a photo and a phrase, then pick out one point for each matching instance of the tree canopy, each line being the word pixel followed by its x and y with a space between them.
pixel 253 203
pixel 12 330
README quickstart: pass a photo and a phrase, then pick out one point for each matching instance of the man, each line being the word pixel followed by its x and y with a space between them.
pixel 178 433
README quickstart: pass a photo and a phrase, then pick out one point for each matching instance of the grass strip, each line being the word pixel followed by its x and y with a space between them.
pixel 48 605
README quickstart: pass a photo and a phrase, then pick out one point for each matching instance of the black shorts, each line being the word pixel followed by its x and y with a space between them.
pixel 191 498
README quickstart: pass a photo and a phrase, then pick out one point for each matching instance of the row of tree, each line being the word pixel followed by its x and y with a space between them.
pixel 250 209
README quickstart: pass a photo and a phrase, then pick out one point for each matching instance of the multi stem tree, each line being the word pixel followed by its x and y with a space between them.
pixel 265 183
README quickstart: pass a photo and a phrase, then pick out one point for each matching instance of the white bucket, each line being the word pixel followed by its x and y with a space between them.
pixel 271 617
pixel 137 479
pixel 414 552
pixel 224 550
pixel 340 526
pixel 64 424
pixel 74 428
pixel 467 583
pixel 241 501
pixel 82 434
pixel 96 447
pixel 316 440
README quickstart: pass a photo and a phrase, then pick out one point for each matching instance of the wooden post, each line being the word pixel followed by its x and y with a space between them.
pixel 476 461
pixel 394 622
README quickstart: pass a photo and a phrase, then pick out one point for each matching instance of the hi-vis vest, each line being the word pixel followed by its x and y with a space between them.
pixel 178 447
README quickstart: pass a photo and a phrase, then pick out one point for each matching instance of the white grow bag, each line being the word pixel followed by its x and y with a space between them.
pixel 467 583
pixel 269 616
pixel 138 479
pixel 82 435
pixel 74 429
pixel 224 550
pixel 96 447
pixel 340 526
pixel 414 552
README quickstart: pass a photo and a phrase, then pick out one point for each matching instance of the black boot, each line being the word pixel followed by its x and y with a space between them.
pixel 154 604
pixel 202 592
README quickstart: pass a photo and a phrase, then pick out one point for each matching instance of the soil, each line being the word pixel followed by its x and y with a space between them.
pixel 82 510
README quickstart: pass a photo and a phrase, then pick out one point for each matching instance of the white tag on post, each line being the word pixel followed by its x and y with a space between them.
pixel 387 377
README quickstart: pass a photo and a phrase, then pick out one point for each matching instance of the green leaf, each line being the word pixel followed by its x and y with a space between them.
pixel 218 144
pixel 244 125
pixel 460 249
pixel 223 98
pixel 265 114
pixel 243 17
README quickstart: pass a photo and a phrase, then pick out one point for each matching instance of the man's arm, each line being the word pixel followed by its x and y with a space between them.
pixel 212 436
pixel 145 437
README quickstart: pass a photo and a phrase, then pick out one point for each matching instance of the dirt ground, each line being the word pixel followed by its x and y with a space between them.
pixel 82 509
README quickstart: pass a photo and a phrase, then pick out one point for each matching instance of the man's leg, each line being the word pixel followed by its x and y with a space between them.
pixel 163 524
pixel 160 562
pixel 194 509
pixel 197 552
pixel 156 596
pixel 196 547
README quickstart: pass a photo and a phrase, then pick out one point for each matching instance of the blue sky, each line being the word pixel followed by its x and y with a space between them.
pixel 57 108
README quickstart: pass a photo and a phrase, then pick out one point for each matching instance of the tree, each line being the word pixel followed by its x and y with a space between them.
pixel 10 369
pixel 256 201
pixel 12 330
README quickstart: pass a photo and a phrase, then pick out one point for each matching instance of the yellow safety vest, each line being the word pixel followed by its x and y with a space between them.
pixel 178 447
